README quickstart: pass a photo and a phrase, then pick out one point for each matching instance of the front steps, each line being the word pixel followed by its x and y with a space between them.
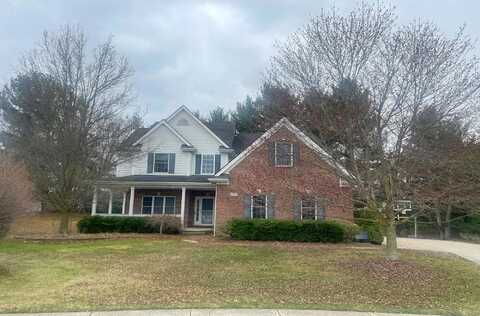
pixel 198 230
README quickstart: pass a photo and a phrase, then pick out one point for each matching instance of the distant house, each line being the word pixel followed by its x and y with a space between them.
pixel 207 175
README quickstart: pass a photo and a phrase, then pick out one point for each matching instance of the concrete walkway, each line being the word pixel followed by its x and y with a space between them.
pixel 219 312
pixel 468 251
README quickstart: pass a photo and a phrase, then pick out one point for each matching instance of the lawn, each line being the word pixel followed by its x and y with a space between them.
pixel 177 272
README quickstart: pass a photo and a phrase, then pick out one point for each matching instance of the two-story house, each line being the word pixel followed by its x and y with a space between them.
pixel 207 175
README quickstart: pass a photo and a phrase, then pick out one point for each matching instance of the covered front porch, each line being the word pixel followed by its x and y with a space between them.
pixel 192 202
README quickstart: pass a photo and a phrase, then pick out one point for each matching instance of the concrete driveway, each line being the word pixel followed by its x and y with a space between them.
pixel 468 251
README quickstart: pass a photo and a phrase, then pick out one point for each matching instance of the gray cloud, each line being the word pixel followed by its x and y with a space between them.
pixel 198 53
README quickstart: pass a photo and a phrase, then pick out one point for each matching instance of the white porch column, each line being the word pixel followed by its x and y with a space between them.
pixel 132 199
pixel 182 207
pixel 110 200
pixel 124 203
pixel 94 201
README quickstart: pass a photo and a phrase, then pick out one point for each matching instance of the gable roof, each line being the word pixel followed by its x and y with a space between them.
pixel 284 122
pixel 224 130
pixel 184 108
pixel 136 135
pixel 156 126
pixel 243 140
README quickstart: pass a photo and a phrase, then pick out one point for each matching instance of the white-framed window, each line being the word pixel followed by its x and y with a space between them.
pixel 161 162
pixel 208 164
pixel 309 208
pixel 283 154
pixel 259 206
pixel 158 205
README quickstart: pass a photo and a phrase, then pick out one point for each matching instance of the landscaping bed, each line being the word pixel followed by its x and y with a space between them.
pixel 202 272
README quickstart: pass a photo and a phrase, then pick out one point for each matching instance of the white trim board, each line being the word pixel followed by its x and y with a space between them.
pixel 284 122
pixel 169 127
pixel 187 110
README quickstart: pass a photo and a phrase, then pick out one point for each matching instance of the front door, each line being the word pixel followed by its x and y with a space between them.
pixel 204 206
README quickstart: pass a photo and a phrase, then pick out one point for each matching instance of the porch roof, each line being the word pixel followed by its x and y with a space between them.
pixel 163 180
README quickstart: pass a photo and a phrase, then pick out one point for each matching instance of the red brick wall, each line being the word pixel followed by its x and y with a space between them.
pixel 310 176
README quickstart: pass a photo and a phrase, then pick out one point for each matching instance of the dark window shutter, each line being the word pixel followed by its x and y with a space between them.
pixel 171 163
pixel 271 206
pixel 247 206
pixel 218 160
pixel 150 163
pixel 320 208
pixel 296 154
pixel 198 164
pixel 271 154
pixel 297 208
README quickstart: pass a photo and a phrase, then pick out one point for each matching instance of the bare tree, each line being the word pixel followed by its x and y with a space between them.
pixel 64 115
pixel 404 69
pixel 15 191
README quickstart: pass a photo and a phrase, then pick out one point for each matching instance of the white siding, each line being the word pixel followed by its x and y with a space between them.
pixel 198 136
pixel 224 160
pixel 162 140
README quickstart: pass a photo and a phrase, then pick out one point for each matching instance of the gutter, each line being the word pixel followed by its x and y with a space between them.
pixel 155 183
pixel 223 181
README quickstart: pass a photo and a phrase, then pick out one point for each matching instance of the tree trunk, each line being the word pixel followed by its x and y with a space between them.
pixel 447 228
pixel 390 229
pixel 391 233
pixel 64 227
pixel 439 222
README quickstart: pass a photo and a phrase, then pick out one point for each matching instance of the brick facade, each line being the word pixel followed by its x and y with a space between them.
pixel 310 176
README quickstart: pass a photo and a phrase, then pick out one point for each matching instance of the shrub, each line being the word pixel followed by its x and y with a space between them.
pixel 288 230
pixel 370 221
pixel 165 224
pixel 117 224
pixel 467 225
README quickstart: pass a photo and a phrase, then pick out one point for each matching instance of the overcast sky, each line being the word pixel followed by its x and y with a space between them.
pixel 201 54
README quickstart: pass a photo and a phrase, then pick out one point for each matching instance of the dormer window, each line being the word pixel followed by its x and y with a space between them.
pixel 283 154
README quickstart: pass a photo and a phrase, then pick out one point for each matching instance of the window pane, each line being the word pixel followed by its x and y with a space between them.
pixel 208 164
pixel 161 163
pixel 169 205
pixel 259 206
pixel 158 205
pixel 207 204
pixel 283 154
pixel 308 209
pixel 147 205
pixel 207 210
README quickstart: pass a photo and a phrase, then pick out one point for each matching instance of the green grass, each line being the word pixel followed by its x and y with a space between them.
pixel 172 273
